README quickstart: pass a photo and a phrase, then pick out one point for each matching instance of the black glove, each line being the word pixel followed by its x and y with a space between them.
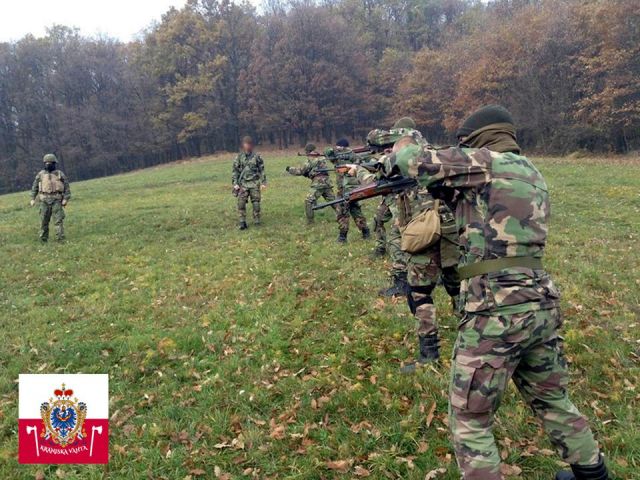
pixel 287 169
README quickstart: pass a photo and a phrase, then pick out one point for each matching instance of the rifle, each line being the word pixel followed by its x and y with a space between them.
pixel 363 149
pixel 373 167
pixel 383 187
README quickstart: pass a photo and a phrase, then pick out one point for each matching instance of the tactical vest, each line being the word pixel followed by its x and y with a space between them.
pixel 51 183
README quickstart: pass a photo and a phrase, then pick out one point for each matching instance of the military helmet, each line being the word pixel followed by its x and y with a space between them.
pixel 50 158
pixel 247 139
pixel 483 117
pixel 383 138
pixel 405 122
pixel 309 147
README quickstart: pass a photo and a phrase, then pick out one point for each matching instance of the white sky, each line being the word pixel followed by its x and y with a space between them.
pixel 122 19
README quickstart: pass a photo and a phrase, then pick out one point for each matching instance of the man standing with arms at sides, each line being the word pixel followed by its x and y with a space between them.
pixel 51 189
pixel 510 329
pixel 339 155
pixel 248 180
pixel 316 170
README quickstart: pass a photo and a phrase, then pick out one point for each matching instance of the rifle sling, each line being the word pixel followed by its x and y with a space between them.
pixel 495 265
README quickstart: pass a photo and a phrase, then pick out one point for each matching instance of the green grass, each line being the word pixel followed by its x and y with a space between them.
pixel 266 354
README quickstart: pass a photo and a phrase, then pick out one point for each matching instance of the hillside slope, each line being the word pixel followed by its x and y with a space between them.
pixel 266 354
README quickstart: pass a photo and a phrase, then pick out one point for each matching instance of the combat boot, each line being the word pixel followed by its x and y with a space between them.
pixel 429 352
pixel 400 287
pixel 379 252
pixel 242 226
pixel 366 233
pixel 342 237
pixel 588 472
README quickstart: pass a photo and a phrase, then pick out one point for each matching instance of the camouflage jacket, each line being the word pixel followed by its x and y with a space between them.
pixel 248 170
pixel 502 208
pixel 409 204
pixel 311 171
pixel 51 186
pixel 346 183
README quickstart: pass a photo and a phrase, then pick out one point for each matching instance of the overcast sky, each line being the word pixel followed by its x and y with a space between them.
pixel 122 19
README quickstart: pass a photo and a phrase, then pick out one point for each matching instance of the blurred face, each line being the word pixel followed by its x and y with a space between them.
pixel 50 166
pixel 247 147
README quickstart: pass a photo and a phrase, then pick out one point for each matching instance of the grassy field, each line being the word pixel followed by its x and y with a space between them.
pixel 266 353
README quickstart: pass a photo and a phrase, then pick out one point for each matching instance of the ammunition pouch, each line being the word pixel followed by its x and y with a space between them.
pixel 423 231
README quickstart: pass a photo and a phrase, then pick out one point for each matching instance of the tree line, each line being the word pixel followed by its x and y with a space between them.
pixel 303 70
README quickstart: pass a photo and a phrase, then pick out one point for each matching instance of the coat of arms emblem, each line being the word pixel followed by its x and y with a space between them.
pixel 63 418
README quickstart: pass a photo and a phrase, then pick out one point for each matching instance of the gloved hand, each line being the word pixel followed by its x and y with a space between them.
pixel 32 202
pixel 64 202
pixel 287 169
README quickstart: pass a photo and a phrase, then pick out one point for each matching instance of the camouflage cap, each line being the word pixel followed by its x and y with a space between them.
pixel 50 158
pixel 387 138
pixel 309 147
pixel 382 138
pixel 405 122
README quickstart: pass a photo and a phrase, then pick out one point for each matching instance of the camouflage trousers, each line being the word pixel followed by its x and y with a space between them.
pixel 354 210
pixel 424 271
pixel 315 193
pixel 244 195
pixel 48 210
pixel 383 216
pixel 390 241
pixel 524 347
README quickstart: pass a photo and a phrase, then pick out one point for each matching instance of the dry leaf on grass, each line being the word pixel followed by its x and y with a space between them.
pixel 435 473
pixel 341 466
pixel 511 470
pixel 361 471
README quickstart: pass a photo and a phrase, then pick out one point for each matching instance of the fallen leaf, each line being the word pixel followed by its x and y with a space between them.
pixel 511 470
pixel 431 413
pixel 341 466
pixel 435 473
pixel 361 471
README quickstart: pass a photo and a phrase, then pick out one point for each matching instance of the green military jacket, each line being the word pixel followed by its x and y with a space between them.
pixel 248 170
pixel 502 210
pixel 311 170
pixel 346 156
pixel 51 186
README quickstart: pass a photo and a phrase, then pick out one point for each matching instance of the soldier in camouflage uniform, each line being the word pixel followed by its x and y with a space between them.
pixel 416 275
pixel 512 318
pixel 248 180
pixel 321 187
pixel 51 189
pixel 342 155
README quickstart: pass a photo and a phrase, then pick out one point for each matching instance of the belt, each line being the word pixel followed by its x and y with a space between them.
pixel 484 267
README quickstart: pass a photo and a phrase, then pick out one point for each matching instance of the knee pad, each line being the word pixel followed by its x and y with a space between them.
pixel 422 297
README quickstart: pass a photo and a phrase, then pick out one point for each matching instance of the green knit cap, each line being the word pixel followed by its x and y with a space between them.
pixel 405 122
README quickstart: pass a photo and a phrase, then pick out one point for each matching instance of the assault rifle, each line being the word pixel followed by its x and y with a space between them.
pixel 373 167
pixel 383 187
pixel 363 149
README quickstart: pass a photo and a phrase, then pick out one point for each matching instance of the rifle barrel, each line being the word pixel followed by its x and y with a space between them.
pixel 329 204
